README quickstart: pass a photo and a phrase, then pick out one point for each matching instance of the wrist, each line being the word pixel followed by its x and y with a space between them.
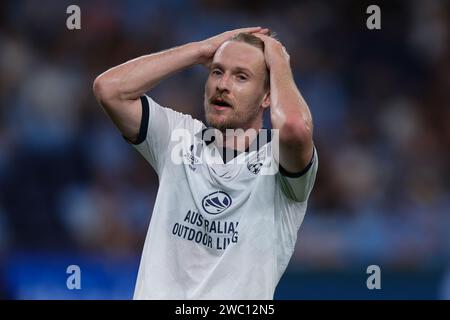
pixel 201 51
pixel 280 63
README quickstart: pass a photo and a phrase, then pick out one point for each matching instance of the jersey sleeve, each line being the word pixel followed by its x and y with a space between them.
pixel 156 127
pixel 298 186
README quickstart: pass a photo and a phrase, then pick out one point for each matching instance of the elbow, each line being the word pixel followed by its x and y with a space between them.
pixel 107 89
pixel 102 89
pixel 296 131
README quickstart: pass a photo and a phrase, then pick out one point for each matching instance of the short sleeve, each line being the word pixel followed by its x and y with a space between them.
pixel 156 127
pixel 298 186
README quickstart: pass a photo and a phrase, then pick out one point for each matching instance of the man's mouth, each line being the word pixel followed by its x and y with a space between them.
pixel 220 103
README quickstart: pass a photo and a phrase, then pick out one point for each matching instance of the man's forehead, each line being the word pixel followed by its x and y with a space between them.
pixel 240 54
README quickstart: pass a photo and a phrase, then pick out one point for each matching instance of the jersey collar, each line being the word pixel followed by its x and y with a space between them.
pixel 264 136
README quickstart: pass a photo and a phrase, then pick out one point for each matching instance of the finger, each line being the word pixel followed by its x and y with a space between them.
pixel 249 30
pixel 266 38
pixel 263 37
pixel 244 30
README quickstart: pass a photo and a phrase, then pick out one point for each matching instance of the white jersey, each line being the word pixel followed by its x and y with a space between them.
pixel 218 231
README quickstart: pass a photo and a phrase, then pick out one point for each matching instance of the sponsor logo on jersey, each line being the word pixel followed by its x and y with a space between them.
pixel 216 202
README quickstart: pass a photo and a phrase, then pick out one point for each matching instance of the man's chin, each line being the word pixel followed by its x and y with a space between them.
pixel 220 124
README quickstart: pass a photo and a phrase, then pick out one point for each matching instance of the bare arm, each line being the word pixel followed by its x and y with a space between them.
pixel 118 90
pixel 288 110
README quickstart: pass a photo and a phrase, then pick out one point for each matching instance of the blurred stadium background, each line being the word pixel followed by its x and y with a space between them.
pixel 73 192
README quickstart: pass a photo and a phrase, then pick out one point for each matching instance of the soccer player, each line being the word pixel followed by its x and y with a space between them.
pixel 222 228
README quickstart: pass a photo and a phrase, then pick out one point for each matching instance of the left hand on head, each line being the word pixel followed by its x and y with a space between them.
pixel 274 51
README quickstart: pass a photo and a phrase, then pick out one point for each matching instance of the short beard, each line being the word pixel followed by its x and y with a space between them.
pixel 234 121
pixel 221 125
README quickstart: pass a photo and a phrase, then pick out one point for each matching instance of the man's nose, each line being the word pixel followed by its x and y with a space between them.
pixel 224 83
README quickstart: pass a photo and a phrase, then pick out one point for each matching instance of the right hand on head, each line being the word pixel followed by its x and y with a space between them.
pixel 209 46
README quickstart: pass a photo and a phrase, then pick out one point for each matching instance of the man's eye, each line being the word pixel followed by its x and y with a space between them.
pixel 242 77
pixel 216 72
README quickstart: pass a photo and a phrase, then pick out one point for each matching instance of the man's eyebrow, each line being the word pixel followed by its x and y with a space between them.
pixel 236 69
pixel 243 69
pixel 216 65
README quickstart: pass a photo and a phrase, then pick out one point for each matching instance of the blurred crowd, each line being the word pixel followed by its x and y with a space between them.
pixel 380 100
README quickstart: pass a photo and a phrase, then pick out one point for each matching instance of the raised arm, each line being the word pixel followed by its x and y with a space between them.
pixel 118 90
pixel 288 110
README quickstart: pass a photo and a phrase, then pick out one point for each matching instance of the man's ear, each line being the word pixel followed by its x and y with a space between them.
pixel 266 100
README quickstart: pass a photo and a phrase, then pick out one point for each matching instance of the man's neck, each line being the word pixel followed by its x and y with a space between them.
pixel 238 139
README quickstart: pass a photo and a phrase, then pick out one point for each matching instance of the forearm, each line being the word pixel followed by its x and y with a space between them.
pixel 289 111
pixel 130 80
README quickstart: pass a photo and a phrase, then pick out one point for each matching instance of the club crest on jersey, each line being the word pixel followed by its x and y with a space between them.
pixel 255 163
pixel 216 202
pixel 254 167
pixel 191 159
